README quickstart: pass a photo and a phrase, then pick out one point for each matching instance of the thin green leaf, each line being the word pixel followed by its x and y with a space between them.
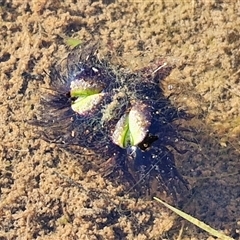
pixel 195 221
pixel 71 42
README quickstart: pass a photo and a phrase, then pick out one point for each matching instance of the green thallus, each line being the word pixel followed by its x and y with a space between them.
pixel 85 96
pixel 132 127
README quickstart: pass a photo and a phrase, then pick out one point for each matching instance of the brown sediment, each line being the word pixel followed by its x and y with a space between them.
pixel 200 39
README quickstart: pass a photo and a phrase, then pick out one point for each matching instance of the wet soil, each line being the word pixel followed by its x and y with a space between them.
pixel 47 192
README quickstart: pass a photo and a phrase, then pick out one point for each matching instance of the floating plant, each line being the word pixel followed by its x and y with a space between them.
pixel 132 127
pixel 85 95
pixel 121 116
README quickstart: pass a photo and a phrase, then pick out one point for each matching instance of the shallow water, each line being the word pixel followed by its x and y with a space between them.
pixel 200 39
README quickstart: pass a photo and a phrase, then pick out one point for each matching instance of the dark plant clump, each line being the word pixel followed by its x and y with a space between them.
pixel 121 116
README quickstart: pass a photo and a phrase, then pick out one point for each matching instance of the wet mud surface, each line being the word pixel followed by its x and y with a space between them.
pixel 47 192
